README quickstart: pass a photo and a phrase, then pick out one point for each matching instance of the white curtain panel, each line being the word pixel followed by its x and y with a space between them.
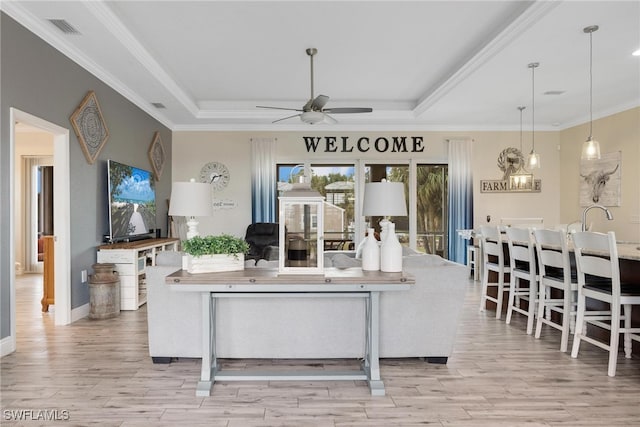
pixel 460 196
pixel 263 179
pixel 29 193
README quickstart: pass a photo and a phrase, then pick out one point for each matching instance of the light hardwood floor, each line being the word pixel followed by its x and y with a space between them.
pixel 100 372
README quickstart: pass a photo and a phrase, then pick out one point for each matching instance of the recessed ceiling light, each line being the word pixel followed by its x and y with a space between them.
pixel 554 92
pixel 158 105
pixel 636 53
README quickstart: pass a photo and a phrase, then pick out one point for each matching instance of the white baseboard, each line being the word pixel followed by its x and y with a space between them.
pixel 80 312
pixel 7 345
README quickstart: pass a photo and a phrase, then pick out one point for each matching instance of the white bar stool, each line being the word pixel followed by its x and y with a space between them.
pixel 599 278
pixel 493 260
pixel 522 259
pixel 555 271
pixel 472 265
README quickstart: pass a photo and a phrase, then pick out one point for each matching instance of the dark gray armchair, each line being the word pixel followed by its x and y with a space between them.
pixel 263 240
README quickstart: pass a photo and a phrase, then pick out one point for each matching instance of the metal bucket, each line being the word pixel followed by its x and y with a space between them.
pixel 104 292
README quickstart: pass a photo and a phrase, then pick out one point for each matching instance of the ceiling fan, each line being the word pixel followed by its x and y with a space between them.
pixel 313 111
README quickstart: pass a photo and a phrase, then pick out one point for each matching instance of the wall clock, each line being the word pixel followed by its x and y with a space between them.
pixel 216 174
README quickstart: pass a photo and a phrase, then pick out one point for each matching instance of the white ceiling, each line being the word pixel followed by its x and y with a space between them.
pixel 421 65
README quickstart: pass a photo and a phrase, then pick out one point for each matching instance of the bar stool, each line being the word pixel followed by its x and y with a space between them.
pixel 555 272
pixel 472 266
pixel 599 278
pixel 493 260
pixel 522 258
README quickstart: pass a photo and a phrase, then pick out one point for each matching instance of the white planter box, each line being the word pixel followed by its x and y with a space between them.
pixel 213 263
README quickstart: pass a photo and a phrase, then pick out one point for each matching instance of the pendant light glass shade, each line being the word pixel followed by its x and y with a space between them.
pixel 533 161
pixel 591 147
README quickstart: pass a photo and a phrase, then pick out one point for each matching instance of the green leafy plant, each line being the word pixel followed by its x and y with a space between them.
pixel 213 245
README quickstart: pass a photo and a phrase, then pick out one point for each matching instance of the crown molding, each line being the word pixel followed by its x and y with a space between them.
pixel 460 73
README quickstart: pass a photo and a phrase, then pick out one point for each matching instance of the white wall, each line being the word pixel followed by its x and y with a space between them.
pixel 546 204
pixel 619 132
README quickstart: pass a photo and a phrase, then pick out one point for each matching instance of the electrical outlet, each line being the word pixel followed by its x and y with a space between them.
pixel 84 276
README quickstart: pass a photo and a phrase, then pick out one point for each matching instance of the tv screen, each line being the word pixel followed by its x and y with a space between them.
pixel 132 202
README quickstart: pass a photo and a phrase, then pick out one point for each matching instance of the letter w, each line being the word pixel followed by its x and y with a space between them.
pixel 311 143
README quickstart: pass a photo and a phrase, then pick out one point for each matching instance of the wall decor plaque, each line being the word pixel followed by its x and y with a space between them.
pixel 90 127
pixel 157 155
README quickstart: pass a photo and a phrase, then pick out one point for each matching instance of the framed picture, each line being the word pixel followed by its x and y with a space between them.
pixel 157 156
pixel 600 180
pixel 89 126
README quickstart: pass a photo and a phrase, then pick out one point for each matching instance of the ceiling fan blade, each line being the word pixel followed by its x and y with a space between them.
pixel 285 118
pixel 348 110
pixel 319 102
pixel 278 108
pixel 331 119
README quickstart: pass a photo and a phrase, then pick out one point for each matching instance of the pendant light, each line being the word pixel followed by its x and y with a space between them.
pixel 521 181
pixel 591 147
pixel 533 162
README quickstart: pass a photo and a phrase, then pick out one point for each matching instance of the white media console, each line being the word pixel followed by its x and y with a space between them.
pixel 131 260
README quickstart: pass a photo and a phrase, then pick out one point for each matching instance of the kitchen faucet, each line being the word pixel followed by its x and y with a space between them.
pixel 588 208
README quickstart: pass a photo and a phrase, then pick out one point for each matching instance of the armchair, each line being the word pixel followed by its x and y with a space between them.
pixel 263 239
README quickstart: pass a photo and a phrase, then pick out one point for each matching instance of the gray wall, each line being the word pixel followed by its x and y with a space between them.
pixel 39 80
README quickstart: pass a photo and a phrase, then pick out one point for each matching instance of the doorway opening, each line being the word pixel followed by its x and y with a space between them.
pixel 61 216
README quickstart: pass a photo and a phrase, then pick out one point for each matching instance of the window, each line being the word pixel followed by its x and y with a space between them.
pixel 432 209
pixel 336 182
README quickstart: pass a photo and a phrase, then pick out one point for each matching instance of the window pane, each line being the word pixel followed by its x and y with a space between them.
pixel 337 184
pixel 432 205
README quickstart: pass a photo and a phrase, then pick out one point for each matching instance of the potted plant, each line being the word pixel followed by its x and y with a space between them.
pixel 214 253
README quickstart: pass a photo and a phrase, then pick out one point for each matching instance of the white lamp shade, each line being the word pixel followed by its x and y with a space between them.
pixel 384 199
pixel 190 199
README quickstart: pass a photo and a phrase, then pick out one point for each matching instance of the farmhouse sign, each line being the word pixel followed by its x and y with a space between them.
pixel 511 163
pixel 344 144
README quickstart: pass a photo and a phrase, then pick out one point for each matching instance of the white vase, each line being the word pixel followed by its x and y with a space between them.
pixel 391 251
pixel 370 252
pixel 384 227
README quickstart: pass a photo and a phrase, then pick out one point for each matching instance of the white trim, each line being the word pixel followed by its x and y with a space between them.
pixel 62 214
pixel 80 312
pixel 7 345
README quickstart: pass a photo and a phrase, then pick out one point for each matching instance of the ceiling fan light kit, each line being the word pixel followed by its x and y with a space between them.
pixel 313 111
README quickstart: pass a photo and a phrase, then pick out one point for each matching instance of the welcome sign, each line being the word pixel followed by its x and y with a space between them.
pixel 345 144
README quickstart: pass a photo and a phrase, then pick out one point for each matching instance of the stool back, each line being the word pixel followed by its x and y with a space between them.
pixel 597 255
pixel 491 241
pixel 553 254
pixel 522 254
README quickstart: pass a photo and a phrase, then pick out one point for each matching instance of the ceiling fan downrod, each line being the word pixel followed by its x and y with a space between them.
pixel 311 52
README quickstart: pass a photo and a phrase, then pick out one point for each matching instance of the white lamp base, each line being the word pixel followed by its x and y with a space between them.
pixel 192 225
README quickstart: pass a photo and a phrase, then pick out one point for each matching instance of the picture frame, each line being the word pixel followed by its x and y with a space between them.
pixel 600 180
pixel 89 126
pixel 157 155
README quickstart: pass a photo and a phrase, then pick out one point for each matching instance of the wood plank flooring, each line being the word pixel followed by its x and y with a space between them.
pixel 100 373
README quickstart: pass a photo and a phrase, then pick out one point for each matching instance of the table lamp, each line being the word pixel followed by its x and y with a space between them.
pixel 386 199
pixel 191 199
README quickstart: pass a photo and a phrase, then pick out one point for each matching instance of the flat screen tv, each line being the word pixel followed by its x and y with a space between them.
pixel 132 202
